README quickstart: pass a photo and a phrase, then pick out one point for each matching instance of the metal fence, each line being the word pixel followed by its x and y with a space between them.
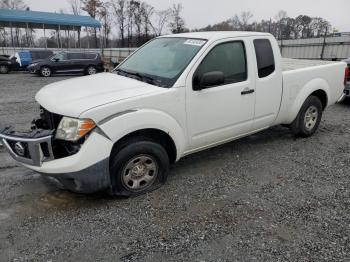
pixel 330 48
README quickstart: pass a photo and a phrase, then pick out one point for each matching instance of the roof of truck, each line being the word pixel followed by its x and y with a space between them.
pixel 212 35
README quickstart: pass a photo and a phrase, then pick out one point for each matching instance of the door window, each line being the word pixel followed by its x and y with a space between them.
pixel 228 58
pixel 75 56
pixel 60 57
pixel 90 56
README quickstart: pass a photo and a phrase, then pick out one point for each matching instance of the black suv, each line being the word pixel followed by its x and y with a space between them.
pixel 68 62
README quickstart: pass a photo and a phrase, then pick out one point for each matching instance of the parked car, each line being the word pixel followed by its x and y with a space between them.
pixel 68 62
pixel 347 86
pixel 20 60
pixel 5 65
pixel 175 96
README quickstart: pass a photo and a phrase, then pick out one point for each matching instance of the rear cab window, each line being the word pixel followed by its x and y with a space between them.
pixel 264 57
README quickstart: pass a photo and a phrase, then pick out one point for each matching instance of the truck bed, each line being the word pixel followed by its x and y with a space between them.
pixel 289 64
pixel 300 77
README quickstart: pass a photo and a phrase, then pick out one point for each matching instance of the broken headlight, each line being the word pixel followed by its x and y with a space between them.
pixel 72 129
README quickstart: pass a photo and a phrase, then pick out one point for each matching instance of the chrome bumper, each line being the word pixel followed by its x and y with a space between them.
pixel 32 149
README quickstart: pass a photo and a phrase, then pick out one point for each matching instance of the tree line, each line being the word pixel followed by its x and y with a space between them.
pixel 282 26
pixel 135 22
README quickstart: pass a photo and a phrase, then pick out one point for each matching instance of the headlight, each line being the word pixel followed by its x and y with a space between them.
pixel 72 129
pixel 35 64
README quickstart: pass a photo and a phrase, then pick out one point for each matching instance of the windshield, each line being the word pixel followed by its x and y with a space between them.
pixel 161 61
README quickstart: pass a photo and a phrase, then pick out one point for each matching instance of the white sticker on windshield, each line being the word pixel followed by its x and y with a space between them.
pixel 196 42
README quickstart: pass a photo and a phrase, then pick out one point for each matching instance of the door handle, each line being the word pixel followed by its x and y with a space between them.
pixel 247 91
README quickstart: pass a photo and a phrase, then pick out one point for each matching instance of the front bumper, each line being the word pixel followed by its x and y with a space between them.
pixel 31 148
pixel 87 171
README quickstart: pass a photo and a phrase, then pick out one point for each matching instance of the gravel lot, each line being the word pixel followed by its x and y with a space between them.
pixel 268 197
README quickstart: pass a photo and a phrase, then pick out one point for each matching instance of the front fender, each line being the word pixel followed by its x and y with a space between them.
pixel 305 92
pixel 134 120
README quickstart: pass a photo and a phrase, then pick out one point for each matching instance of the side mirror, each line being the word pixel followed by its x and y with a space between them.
pixel 56 59
pixel 209 79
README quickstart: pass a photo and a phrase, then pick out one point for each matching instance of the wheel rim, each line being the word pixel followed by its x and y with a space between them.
pixel 91 70
pixel 3 69
pixel 46 71
pixel 311 117
pixel 140 173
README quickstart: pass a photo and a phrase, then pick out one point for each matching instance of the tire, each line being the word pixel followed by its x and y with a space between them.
pixel 91 70
pixel 309 117
pixel 45 71
pixel 139 167
pixel 4 69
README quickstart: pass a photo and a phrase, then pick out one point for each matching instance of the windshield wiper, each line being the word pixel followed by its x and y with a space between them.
pixel 141 77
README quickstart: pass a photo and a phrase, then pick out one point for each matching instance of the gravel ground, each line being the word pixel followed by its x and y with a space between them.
pixel 267 197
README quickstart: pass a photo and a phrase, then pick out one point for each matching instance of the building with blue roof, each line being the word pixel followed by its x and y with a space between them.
pixel 44 20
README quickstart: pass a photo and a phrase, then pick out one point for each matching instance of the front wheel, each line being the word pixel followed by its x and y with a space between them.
pixel 45 71
pixel 139 167
pixel 309 117
pixel 4 69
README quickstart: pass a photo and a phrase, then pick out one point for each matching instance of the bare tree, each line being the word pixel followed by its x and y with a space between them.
pixel 177 23
pixel 120 11
pixel 13 4
pixel 241 22
pixel 147 12
pixel 161 19
pixel 92 7
pixel 138 20
pixel 246 16
pixel 104 15
pixel 131 8
pixel 281 20
pixel 75 6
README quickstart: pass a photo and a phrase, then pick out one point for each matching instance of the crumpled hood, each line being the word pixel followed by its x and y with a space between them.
pixel 74 96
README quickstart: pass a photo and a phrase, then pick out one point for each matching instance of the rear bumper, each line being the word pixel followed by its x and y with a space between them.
pixel 347 89
pixel 87 171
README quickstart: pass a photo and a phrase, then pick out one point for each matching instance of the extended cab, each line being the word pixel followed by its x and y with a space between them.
pixel 175 96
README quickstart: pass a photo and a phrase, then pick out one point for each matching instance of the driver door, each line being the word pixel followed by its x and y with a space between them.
pixel 222 111
pixel 61 63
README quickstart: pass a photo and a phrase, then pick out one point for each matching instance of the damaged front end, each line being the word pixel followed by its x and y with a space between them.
pixel 79 163
pixel 38 145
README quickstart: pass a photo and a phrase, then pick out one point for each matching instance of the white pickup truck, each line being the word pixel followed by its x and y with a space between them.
pixel 175 96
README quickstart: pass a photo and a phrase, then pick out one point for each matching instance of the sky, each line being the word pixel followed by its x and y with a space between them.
pixel 200 13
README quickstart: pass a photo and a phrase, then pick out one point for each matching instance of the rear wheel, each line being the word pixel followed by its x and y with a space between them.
pixel 45 71
pixel 4 69
pixel 139 167
pixel 91 70
pixel 309 117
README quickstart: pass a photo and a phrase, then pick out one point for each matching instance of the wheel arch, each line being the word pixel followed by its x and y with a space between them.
pixel 48 66
pixel 153 134
pixel 316 87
